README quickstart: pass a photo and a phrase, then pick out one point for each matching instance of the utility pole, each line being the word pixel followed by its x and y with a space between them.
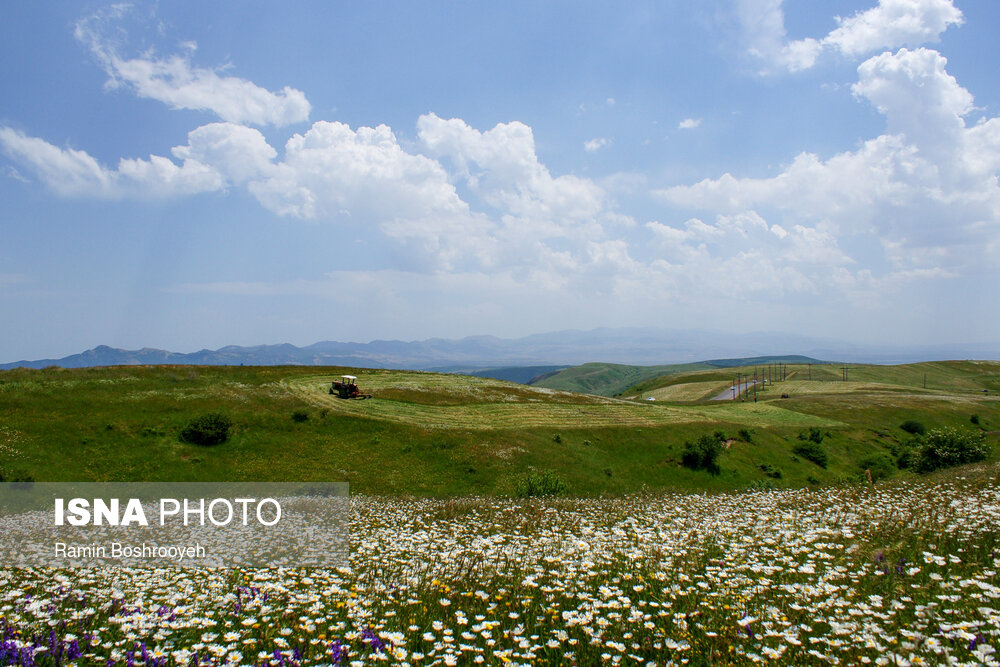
pixel 810 371
pixel 925 380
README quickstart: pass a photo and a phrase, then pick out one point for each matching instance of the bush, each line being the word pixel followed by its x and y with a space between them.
pixel 814 434
pixel 948 447
pixel 762 485
pixel 209 429
pixel 913 427
pixel 300 416
pixel 907 457
pixel 544 483
pixel 702 455
pixel 881 466
pixel 770 470
pixel 812 451
pixel 974 419
pixel 746 435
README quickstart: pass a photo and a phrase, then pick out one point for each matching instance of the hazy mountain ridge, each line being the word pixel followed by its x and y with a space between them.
pixel 635 346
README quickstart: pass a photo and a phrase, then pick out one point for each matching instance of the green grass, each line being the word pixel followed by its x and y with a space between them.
pixel 447 435
pixel 609 379
pixel 903 572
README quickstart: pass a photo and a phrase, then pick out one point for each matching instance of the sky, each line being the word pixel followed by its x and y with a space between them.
pixel 189 175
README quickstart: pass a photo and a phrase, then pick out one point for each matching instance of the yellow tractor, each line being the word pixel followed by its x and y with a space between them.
pixel 347 387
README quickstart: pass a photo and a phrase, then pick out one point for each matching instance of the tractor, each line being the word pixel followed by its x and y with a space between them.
pixel 347 387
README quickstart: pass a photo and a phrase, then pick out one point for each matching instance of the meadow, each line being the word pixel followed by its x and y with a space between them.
pixel 442 435
pixel 769 558
pixel 901 573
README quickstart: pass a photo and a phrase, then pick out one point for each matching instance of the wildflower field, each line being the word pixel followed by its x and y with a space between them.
pixel 900 573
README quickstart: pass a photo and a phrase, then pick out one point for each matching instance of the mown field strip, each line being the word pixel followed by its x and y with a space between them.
pixel 550 414
pixel 689 391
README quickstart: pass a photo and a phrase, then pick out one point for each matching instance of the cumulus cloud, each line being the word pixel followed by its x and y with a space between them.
pixel 689 123
pixel 927 190
pixel 502 166
pixel 239 154
pixel 71 172
pixel 918 97
pixel 892 24
pixel 175 81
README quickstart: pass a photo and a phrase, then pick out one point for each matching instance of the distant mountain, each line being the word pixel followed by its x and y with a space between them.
pixel 632 346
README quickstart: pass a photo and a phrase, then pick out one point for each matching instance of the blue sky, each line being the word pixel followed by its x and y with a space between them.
pixel 186 175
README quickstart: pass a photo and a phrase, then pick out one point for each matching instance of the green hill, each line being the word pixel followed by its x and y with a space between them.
pixel 616 379
pixel 608 379
pixel 437 434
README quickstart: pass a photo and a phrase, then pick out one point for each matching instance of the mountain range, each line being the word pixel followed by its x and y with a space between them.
pixel 639 346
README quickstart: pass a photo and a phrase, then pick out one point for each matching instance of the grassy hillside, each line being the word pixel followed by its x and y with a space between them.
pixel 609 379
pixel 432 434
pixel 615 379
pixel 950 377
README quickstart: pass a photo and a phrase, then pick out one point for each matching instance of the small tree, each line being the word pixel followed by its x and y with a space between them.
pixel 948 447
pixel 208 429
pixel 913 427
pixel 703 453
pixel 812 451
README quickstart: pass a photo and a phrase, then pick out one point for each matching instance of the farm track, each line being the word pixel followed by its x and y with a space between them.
pixel 492 405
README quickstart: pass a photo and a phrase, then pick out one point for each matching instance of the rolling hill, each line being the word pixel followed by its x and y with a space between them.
pixel 615 379
pixel 445 435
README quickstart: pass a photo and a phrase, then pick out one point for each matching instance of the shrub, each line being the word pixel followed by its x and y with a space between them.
pixel 746 435
pixel 557 438
pixel 544 483
pixel 881 466
pixel 948 447
pixel 974 419
pixel 907 457
pixel 300 416
pixel 812 451
pixel 208 429
pixel 702 454
pixel 913 427
pixel 814 434
pixel 762 485
pixel 770 470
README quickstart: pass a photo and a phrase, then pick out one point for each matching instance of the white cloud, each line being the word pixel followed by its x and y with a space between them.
pixel 891 24
pixel 175 81
pixel 332 169
pixel 926 192
pixel 240 154
pixel 596 144
pixel 501 165
pixel 689 124
pixel 918 97
pixel 71 172
pixel 763 27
